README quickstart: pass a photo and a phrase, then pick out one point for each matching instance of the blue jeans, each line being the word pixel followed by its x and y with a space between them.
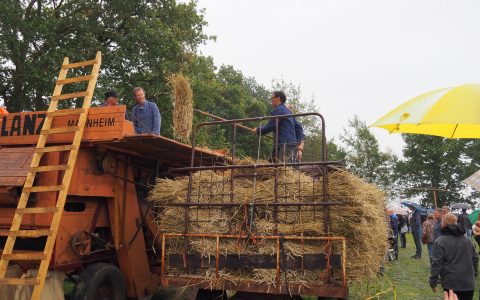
pixel 430 251
pixel 417 238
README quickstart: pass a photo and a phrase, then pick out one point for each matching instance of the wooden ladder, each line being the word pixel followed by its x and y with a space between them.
pixel 61 190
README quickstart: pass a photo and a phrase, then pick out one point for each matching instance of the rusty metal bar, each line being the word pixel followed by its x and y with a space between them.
pixel 227 204
pixel 277 277
pixel 272 165
pixel 344 262
pixel 271 237
pixel 222 119
pixel 162 274
pixel 234 146
pixel 217 257
pixel 275 185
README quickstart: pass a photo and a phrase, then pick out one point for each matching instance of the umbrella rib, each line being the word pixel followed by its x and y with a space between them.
pixel 454 131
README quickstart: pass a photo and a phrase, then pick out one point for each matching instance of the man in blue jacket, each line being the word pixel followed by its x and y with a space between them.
pixel 145 115
pixel 416 224
pixel 290 131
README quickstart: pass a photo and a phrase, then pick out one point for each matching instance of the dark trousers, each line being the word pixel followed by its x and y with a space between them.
pixel 403 240
pixel 285 153
pixel 417 237
pixel 463 295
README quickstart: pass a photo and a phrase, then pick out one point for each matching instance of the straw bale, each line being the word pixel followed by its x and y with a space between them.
pixel 183 106
pixel 361 220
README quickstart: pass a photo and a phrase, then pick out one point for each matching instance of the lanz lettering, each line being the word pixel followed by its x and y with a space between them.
pixel 22 126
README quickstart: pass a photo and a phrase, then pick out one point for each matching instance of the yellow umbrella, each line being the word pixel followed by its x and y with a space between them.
pixel 451 113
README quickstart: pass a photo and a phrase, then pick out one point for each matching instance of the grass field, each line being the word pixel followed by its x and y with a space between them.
pixel 410 276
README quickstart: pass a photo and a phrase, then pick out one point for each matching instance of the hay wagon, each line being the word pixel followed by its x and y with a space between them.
pixel 112 240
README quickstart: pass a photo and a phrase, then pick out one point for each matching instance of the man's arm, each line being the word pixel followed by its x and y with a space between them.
pixel 270 126
pixel 134 120
pixel 437 259
pixel 157 118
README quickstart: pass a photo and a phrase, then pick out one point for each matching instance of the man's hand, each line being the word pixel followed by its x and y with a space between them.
pixel 254 130
pixel 450 295
pixel 434 289
pixel 299 154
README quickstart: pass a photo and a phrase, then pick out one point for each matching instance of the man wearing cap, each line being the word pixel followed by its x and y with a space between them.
pixel 145 115
pixel 111 99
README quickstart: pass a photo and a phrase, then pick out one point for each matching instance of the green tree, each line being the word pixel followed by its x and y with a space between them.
pixel 142 42
pixel 434 162
pixel 364 157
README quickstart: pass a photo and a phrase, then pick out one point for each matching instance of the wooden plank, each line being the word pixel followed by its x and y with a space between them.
pixel 19 281
pixel 30 233
pixel 55 148
pixel 36 210
pixel 74 79
pixel 25 256
pixel 60 130
pixel 65 112
pixel 46 188
pixel 49 168
pixel 79 64
pixel 103 123
pixel 69 96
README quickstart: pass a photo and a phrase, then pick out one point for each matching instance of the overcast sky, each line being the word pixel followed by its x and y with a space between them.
pixel 355 57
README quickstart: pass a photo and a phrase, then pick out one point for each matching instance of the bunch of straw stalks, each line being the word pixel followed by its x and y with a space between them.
pixel 182 95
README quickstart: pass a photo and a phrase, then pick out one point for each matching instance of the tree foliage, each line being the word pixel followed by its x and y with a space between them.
pixel 364 157
pixel 142 42
pixel 434 162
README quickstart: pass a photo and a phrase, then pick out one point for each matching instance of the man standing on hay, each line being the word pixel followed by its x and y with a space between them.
pixel 145 115
pixel 290 131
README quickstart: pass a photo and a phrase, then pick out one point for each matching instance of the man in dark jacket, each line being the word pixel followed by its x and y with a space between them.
pixel 465 223
pixel 290 131
pixel 416 224
pixel 454 260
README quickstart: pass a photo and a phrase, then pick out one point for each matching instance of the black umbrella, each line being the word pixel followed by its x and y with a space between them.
pixel 461 205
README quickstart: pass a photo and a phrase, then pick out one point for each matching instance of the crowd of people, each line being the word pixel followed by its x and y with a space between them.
pixel 448 237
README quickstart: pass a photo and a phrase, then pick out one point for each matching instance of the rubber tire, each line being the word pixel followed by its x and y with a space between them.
pixel 94 276
pixel 205 294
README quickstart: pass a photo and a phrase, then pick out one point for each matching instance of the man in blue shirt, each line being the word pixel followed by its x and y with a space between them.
pixel 145 115
pixel 290 131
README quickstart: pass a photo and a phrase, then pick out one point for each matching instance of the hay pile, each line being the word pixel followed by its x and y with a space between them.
pixel 362 220
pixel 183 106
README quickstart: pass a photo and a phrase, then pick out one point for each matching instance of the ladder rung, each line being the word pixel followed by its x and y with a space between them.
pixel 46 188
pixel 74 79
pixel 30 233
pixel 66 112
pixel 60 130
pixel 36 210
pixel 55 149
pixel 25 256
pixel 69 96
pixel 19 281
pixel 49 168
pixel 79 64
